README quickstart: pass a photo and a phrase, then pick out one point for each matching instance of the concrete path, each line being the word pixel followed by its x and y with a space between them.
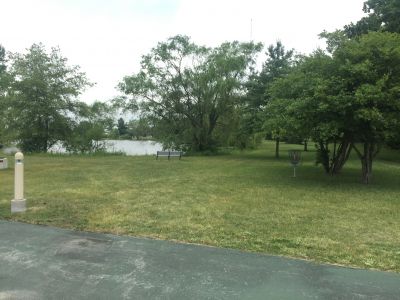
pixel 38 262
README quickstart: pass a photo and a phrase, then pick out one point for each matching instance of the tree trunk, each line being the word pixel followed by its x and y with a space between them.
pixel 323 155
pixel 46 137
pixel 195 143
pixel 366 162
pixel 366 170
pixel 277 147
pixel 340 157
pixel 370 150
pixel 333 163
pixel 201 141
pixel 305 145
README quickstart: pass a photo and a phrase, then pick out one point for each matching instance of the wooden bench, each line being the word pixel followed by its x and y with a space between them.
pixel 169 154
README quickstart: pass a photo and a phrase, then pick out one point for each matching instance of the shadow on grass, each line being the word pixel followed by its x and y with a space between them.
pixel 310 175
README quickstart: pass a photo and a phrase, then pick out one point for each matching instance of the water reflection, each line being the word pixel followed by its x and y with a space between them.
pixel 133 147
pixel 126 146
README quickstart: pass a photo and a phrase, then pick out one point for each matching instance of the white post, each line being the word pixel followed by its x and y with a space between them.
pixel 18 204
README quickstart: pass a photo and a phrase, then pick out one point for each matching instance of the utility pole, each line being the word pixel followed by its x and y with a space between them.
pixel 251 29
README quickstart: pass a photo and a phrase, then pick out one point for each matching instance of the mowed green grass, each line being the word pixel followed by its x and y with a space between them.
pixel 244 200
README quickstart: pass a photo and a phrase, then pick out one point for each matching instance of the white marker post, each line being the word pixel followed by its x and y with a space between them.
pixel 18 204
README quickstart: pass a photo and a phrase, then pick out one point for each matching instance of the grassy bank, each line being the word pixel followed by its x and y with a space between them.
pixel 246 201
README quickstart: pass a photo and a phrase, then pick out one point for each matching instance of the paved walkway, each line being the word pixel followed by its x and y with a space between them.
pixel 38 262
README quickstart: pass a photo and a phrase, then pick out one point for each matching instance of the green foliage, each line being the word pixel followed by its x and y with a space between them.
pixel 42 97
pixel 91 125
pixel 186 89
pixel 277 65
pixel 6 131
pixel 393 140
pixel 140 128
pixel 300 99
pixel 370 72
pixel 363 26
pixel 362 82
pixel 334 39
pixel 85 138
pixel 3 88
pixel 347 98
pixel 122 128
pixel 383 15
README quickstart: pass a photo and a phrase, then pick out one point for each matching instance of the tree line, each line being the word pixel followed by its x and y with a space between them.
pixel 39 103
pixel 345 98
pixel 196 98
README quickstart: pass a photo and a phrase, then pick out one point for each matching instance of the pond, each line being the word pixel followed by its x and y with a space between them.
pixel 133 147
pixel 126 146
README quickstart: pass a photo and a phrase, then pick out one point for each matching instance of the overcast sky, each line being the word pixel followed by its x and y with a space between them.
pixel 107 38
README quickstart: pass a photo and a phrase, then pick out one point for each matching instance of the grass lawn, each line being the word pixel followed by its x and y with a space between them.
pixel 247 201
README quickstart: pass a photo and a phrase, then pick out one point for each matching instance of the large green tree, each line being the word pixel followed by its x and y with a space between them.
pixel 2 91
pixel 43 96
pixel 313 107
pixel 277 65
pixel 350 100
pixel 370 69
pixel 5 79
pixel 186 89
pixel 2 63
pixel 383 15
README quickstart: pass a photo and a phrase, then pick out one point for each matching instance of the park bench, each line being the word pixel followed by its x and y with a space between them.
pixel 3 163
pixel 169 154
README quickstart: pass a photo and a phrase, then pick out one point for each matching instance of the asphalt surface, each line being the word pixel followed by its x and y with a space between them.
pixel 39 262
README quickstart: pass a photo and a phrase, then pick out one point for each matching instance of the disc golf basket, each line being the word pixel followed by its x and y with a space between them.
pixel 295 158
